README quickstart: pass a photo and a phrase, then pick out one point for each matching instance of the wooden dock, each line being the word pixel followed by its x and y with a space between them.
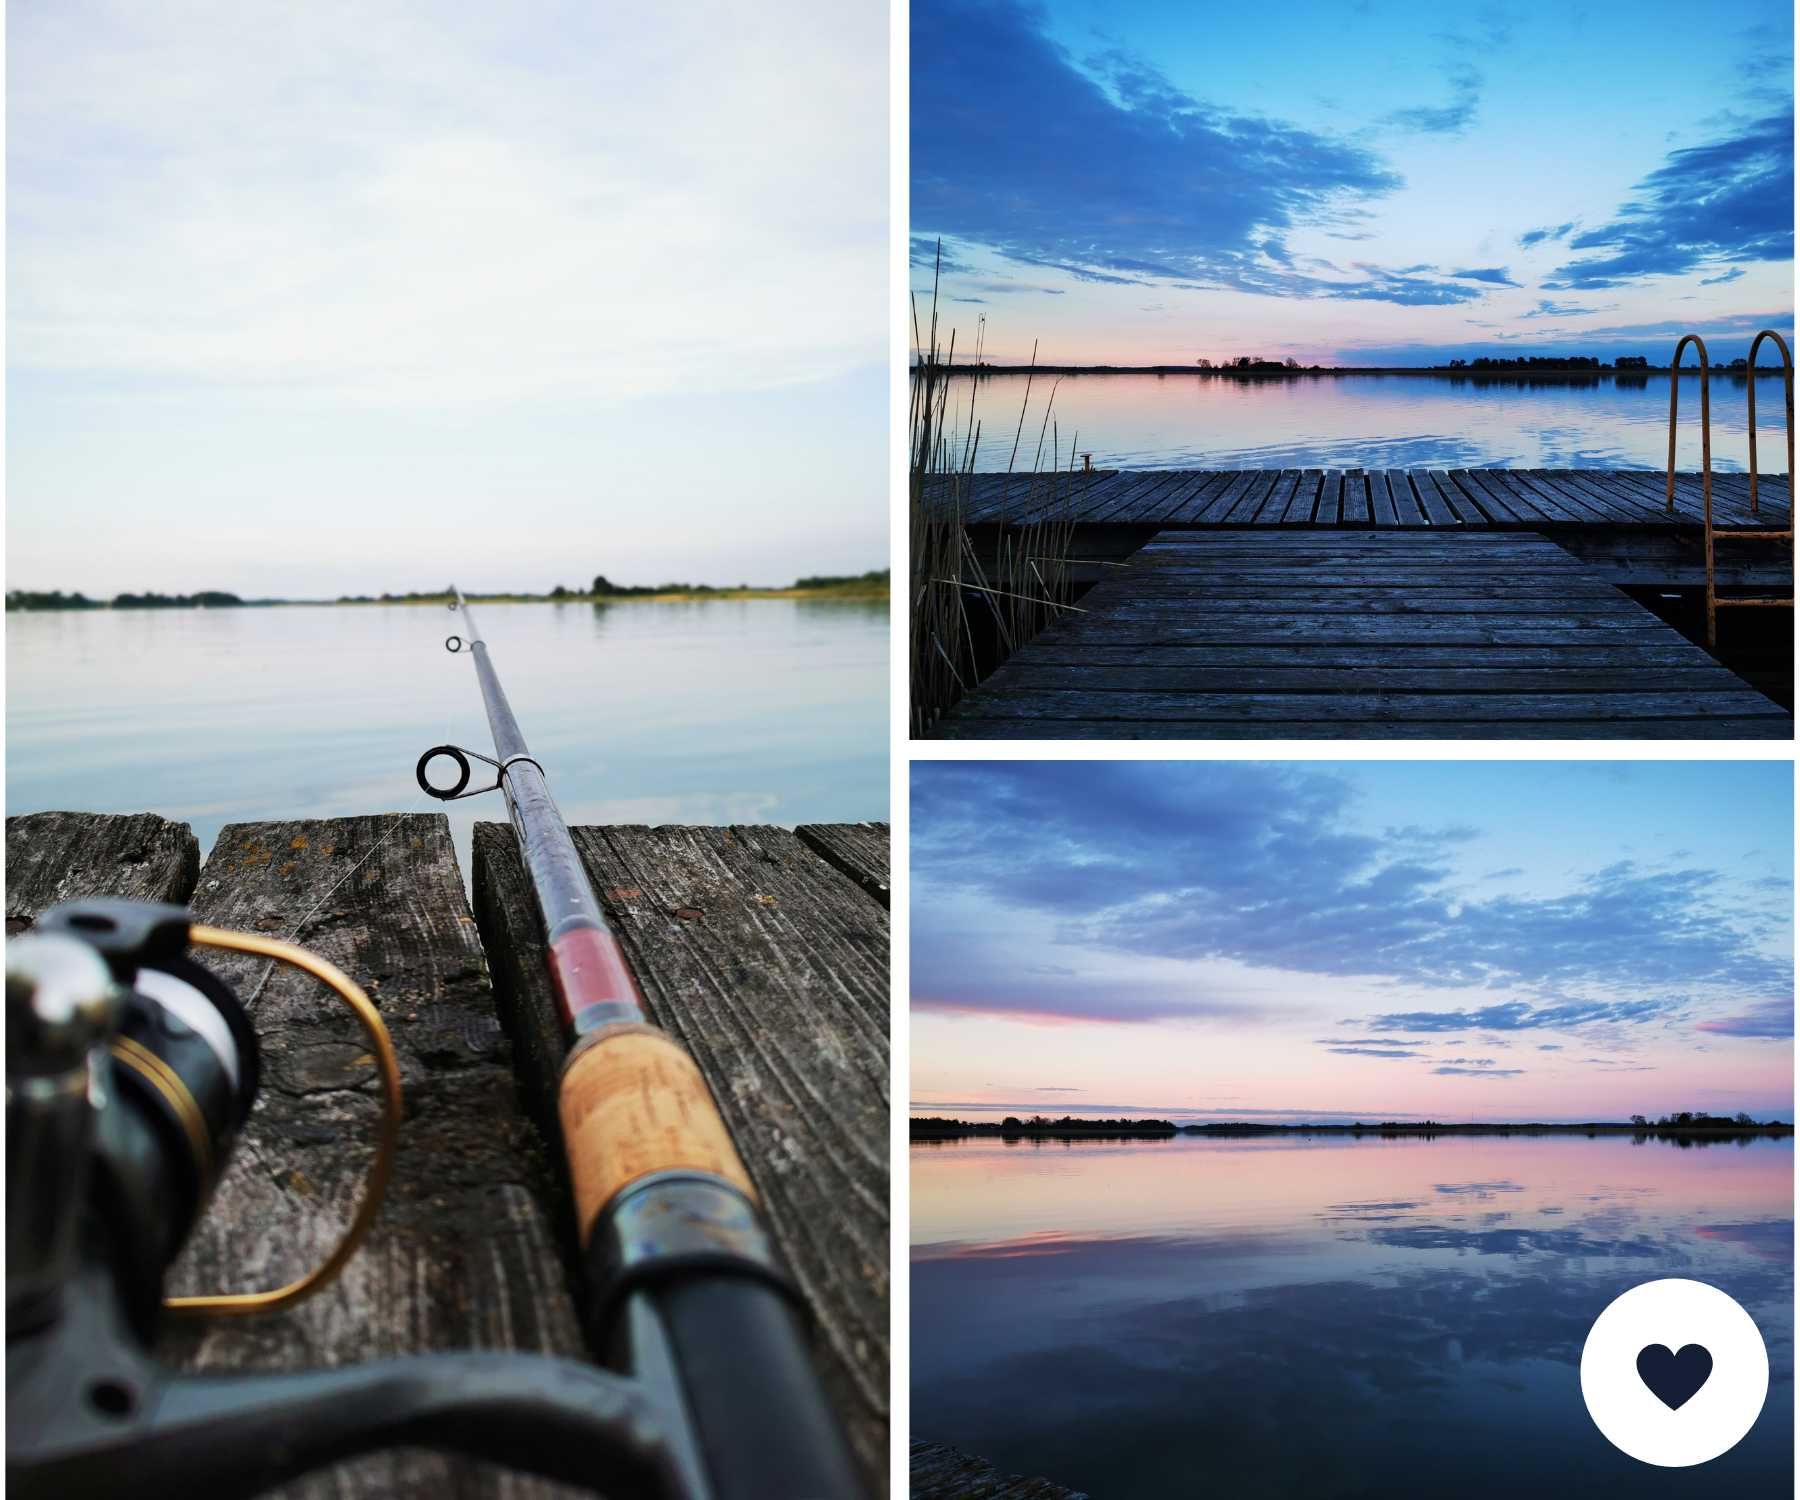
pixel 941 1473
pixel 1375 499
pixel 764 950
pixel 1338 633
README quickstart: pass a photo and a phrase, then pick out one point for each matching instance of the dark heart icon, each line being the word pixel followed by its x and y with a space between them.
pixel 1674 1378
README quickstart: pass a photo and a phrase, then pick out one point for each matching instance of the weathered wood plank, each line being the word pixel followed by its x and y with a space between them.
pixel 1331 496
pixel 1273 709
pixel 1603 654
pixel 1300 676
pixel 1125 494
pixel 1195 501
pixel 858 850
pixel 1499 507
pixel 1370 631
pixel 1487 497
pixel 1220 502
pixel 940 1473
pixel 771 968
pixel 1465 509
pixel 1275 512
pixel 1303 503
pixel 53 857
pixel 976 728
pixel 1253 499
pixel 1165 501
pixel 1383 483
pixel 1437 509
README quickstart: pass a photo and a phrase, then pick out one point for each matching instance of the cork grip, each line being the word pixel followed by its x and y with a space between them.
pixel 633 1103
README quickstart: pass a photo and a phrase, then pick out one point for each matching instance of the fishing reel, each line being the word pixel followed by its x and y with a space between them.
pixel 130 1069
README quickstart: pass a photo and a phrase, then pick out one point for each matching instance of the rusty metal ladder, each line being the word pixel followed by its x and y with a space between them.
pixel 1713 602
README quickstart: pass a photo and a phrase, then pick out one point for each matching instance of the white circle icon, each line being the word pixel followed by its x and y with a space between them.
pixel 1674 1373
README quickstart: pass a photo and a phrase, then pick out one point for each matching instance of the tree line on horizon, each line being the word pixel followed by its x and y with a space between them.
pixel 43 599
pixel 26 599
pixel 1016 1125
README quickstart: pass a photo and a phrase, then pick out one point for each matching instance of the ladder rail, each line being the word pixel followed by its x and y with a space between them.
pixel 1787 380
pixel 1710 532
pixel 1705 423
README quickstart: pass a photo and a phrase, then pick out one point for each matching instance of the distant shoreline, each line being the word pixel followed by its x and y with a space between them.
pixel 1548 372
pixel 859 590
pixel 938 1129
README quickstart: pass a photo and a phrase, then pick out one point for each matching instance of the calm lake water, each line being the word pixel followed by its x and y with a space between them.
pixel 1373 421
pixel 764 710
pixel 1324 1317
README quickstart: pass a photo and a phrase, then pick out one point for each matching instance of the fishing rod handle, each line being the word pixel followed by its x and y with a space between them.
pixel 669 1217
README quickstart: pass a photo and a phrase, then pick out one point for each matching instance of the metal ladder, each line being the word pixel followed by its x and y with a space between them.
pixel 1713 602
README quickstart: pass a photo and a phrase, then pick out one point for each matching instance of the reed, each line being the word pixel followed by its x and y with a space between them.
pixel 969 612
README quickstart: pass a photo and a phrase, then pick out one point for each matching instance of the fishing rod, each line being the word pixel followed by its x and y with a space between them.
pixel 131 1067
pixel 681 1272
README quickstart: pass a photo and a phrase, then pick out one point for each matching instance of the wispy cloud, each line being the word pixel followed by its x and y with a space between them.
pixel 1730 199
pixel 1548 308
pixel 1453 118
pixel 1771 1018
pixel 1493 275
pixel 1256 866
pixel 411 204
pixel 1537 236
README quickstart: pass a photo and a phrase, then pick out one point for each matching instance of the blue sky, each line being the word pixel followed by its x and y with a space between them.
pixel 325 298
pixel 1356 183
pixel 1518 940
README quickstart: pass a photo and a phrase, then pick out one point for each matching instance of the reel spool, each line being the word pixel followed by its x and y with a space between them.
pixel 122 1046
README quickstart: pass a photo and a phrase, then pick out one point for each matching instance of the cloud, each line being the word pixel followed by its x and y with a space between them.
pixel 1516 1015
pixel 1730 199
pixel 1105 171
pixel 1547 308
pixel 1075 997
pixel 1550 1047
pixel 1479 1072
pixel 930 254
pixel 1726 335
pixel 1770 1018
pixel 1453 118
pixel 1736 273
pixel 1259 866
pixel 1495 275
pixel 1537 236
pixel 404 204
pixel 1374 1052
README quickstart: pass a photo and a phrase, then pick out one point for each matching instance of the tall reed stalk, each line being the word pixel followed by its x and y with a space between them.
pixel 1023 583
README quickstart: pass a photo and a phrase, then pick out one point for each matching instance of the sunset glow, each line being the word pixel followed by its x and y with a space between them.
pixel 1333 943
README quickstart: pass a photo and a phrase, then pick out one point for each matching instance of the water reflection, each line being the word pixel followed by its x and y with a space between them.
pixel 1382 421
pixel 716 711
pixel 1327 1317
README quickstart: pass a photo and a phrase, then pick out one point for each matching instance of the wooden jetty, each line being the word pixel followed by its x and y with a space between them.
pixel 941 1473
pixel 764 950
pixel 1288 604
pixel 1380 499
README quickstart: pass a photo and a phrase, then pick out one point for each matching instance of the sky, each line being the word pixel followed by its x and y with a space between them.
pixel 309 299
pixel 1333 942
pixel 1379 182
